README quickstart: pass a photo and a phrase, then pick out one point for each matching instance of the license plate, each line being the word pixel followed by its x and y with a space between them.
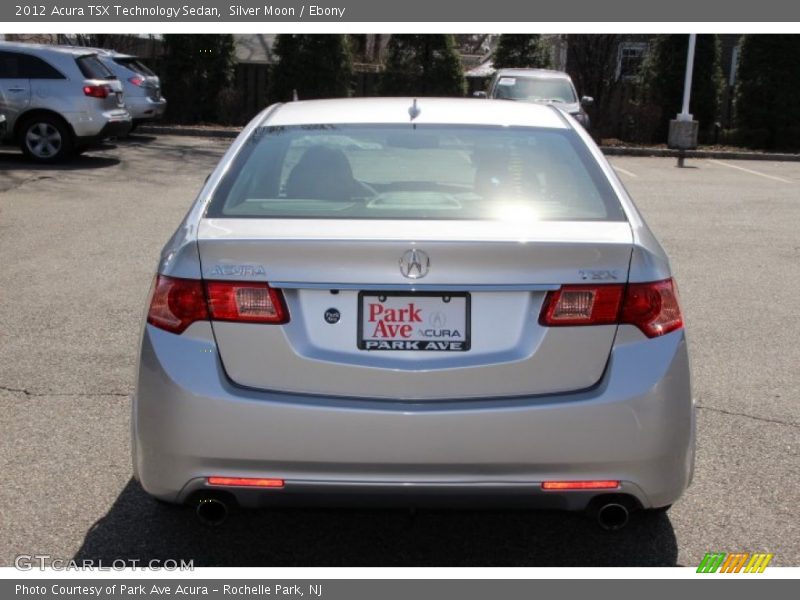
pixel 427 322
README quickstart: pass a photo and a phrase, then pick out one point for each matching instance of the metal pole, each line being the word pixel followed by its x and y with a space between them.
pixel 687 82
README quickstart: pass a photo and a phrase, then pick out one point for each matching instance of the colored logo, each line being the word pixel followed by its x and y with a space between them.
pixel 736 562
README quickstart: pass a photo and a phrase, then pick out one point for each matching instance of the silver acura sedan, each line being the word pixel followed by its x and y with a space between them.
pixel 415 302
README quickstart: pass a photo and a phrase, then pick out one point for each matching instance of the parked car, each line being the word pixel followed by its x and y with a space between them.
pixel 142 86
pixel 416 301
pixel 543 86
pixel 58 101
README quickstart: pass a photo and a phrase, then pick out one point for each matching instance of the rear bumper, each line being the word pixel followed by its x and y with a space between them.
pixel 635 426
pixel 112 124
pixel 144 109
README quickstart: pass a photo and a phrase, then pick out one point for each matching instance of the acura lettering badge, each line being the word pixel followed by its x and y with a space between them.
pixel 414 264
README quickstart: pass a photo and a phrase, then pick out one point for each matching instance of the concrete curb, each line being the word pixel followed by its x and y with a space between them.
pixel 230 133
pixel 215 132
pixel 665 152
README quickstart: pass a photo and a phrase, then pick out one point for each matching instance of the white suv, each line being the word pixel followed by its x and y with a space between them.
pixel 58 101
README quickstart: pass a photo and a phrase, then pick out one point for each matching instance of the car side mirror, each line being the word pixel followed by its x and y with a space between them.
pixel 479 94
pixel 587 101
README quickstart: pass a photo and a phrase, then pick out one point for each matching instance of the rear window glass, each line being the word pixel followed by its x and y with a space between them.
pixel 415 172
pixel 534 90
pixel 135 65
pixel 93 68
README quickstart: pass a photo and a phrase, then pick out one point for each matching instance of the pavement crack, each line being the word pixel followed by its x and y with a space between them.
pixel 31 394
pixel 754 417
pixel 18 183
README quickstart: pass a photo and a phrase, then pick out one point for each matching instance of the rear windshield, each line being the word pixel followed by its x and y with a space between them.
pixel 135 65
pixel 93 68
pixel 415 172
pixel 535 90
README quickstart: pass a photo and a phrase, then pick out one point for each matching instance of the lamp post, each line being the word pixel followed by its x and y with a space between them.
pixel 687 81
pixel 683 128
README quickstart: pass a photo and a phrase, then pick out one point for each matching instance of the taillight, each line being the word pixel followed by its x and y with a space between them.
pixel 246 301
pixel 176 303
pixel 653 307
pixel 136 80
pixel 97 91
pixel 582 305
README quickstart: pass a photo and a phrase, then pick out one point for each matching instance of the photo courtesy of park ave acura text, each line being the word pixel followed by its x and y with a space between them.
pixel 305 299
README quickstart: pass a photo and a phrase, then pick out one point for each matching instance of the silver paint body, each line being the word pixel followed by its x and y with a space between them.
pixel 145 102
pixel 86 116
pixel 300 402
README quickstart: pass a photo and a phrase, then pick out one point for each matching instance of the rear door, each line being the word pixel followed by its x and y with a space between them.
pixel 15 88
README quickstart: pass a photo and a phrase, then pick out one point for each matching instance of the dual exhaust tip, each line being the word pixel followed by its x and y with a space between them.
pixel 611 516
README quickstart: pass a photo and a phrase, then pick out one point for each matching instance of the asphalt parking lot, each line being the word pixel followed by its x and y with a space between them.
pixel 78 246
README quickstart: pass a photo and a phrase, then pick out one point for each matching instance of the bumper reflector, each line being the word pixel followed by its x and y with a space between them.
pixel 580 485
pixel 246 482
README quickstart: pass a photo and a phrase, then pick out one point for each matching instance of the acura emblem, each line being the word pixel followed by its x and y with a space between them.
pixel 414 264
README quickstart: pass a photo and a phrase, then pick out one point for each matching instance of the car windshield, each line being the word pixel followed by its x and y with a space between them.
pixel 535 90
pixel 415 172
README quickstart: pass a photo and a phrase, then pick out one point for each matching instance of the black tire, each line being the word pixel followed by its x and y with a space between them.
pixel 46 139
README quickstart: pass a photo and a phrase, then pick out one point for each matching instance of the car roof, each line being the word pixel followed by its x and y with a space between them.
pixel 109 53
pixel 449 111
pixel 32 48
pixel 537 73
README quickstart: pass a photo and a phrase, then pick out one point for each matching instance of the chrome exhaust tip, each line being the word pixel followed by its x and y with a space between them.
pixel 612 516
pixel 211 511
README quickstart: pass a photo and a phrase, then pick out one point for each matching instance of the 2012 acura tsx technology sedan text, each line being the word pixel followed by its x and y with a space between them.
pixel 414 301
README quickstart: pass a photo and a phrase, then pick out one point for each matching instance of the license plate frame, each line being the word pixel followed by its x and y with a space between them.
pixel 423 345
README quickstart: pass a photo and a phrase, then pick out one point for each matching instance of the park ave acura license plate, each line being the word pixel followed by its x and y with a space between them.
pixel 425 321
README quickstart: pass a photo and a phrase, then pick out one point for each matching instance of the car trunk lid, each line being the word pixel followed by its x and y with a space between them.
pixel 487 280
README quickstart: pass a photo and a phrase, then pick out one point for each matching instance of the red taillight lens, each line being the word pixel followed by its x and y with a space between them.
pixel 97 91
pixel 246 482
pixel 653 307
pixel 580 485
pixel 137 81
pixel 582 305
pixel 245 301
pixel 176 303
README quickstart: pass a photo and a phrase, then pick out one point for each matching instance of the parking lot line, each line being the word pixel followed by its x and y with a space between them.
pixel 724 164
pixel 621 170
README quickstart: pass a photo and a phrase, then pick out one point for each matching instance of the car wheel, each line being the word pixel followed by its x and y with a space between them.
pixel 46 139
